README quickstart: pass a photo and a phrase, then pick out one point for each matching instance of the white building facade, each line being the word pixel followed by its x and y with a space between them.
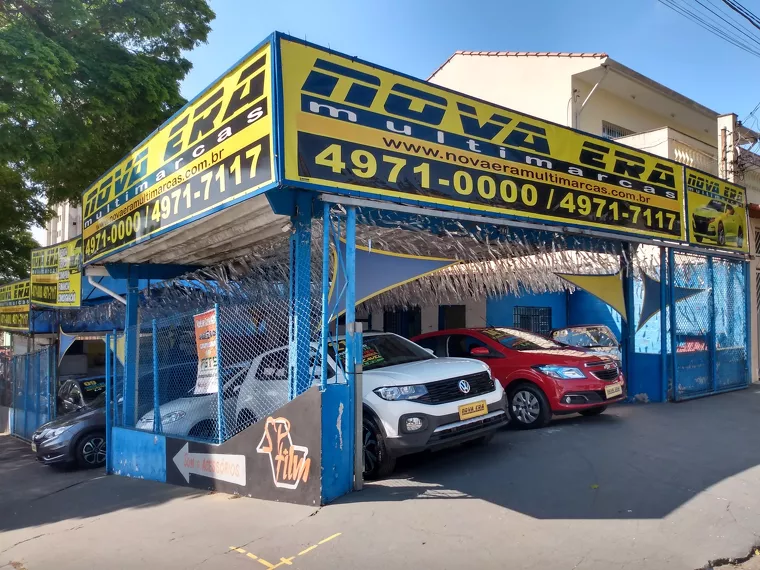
pixel 594 93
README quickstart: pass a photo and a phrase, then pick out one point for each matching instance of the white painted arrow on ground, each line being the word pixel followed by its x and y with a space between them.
pixel 229 468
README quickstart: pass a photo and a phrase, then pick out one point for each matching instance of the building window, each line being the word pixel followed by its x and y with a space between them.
pixel 406 323
pixel 610 131
pixel 534 319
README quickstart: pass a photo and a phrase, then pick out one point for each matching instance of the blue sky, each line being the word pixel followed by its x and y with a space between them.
pixel 416 36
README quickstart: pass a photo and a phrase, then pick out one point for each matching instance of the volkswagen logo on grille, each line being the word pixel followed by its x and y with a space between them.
pixel 464 386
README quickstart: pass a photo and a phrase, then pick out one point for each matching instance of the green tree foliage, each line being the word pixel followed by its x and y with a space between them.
pixel 81 83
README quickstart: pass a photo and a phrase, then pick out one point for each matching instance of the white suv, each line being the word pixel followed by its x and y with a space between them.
pixel 413 401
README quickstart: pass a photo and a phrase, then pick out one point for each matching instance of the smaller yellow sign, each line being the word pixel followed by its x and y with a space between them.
pixel 57 275
pixel 14 306
pixel 717 212
pixel 467 411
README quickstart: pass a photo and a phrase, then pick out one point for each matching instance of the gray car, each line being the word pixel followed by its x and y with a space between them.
pixel 77 437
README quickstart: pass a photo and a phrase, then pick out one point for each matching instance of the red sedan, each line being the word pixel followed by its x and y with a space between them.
pixel 541 377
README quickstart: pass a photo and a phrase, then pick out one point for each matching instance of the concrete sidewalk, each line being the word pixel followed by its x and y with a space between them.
pixel 652 487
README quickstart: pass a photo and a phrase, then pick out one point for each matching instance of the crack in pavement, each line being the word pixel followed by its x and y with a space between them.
pixel 22 542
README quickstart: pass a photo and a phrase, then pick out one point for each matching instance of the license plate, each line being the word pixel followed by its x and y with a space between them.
pixel 473 410
pixel 613 390
pixel 34 448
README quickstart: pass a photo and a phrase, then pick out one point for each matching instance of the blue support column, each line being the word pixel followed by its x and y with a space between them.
pixel 109 409
pixel 673 335
pixel 157 427
pixel 27 363
pixel 115 375
pixel 220 377
pixel 664 322
pixel 748 318
pixel 325 333
pixel 629 326
pixel 353 346
pixel 300 296
pixel 131 351
pixel 711 336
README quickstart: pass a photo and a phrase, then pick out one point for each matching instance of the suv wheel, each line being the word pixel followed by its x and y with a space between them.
pixel 91 450
pixel 529 407
pixel 377 461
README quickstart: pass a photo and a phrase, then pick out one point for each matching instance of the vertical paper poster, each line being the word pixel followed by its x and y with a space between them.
pixel 207 379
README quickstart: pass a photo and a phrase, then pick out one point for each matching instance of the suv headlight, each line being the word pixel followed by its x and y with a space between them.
pixel 55 432
pixel 561 372
pixel 401 392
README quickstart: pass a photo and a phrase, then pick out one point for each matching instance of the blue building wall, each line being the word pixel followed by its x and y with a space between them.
pixel 585 309
pixel 500 310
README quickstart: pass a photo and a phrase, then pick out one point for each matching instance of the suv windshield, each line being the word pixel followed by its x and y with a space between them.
pixel 716 205
pixel 379 351
pixel 517 339
pixel 587 337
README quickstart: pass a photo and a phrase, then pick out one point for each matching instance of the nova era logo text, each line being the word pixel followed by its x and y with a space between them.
pixel 289 462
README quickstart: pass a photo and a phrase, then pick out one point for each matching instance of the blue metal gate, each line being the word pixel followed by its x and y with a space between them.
pixel 33 391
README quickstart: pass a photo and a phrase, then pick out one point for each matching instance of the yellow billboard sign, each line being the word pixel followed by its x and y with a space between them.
pixel 717 212
pixel 354 128
pixel 14 306
pixel 216 150
pixel 57 275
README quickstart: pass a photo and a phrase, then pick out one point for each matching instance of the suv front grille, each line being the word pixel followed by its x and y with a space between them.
pixel 610 374
pixel 701 224
pixel 448 390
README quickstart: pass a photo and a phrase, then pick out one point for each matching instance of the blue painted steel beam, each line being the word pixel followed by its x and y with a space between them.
pixel 748 318
pixel 157 427
pixel 325 333
pixel 148 270
pixel 220 377
pixel 664 323
pixel 131 351
pixel 712 337
pixel 109 410
pixel 299 322
pixel 673 331
pixel 353 348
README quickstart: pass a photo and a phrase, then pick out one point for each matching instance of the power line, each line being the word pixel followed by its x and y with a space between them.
pixel 741 10
pixel 710 25
pixel 731 24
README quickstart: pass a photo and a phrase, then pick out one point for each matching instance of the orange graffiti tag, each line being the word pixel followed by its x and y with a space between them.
pixel 290 463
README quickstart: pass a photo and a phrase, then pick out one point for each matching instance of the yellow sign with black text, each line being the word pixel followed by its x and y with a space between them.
pixel 353 127
pixel 717 212
pixel 14 306
pixel 217 149
pixel 57 275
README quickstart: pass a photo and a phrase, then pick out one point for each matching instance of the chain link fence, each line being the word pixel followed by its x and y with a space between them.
pixel 730 324
pixel 213 372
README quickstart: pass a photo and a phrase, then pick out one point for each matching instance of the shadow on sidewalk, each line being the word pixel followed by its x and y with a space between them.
pixel 636 461
pixel 32 494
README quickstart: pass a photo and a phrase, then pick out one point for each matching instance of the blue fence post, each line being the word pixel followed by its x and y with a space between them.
pixel 664 322
pixel 299 321
pixel 747 319
pixel 353 352
pixel 114 374
pixel 131 350
pixel 711 320
pixel 673 320
pixel 26 395
pixel 38 374
pixel 325 292
pixel 219 376
pixel 157 427
pixel 109 409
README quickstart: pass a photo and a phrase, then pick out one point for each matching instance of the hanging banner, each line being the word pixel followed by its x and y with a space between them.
pixel 57 275
pixel 207 379
pixel 14 306
pixel 350 128
pixel 217 149
pixel 717 212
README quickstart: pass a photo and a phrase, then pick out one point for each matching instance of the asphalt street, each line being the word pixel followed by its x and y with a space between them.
pixel 657 486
